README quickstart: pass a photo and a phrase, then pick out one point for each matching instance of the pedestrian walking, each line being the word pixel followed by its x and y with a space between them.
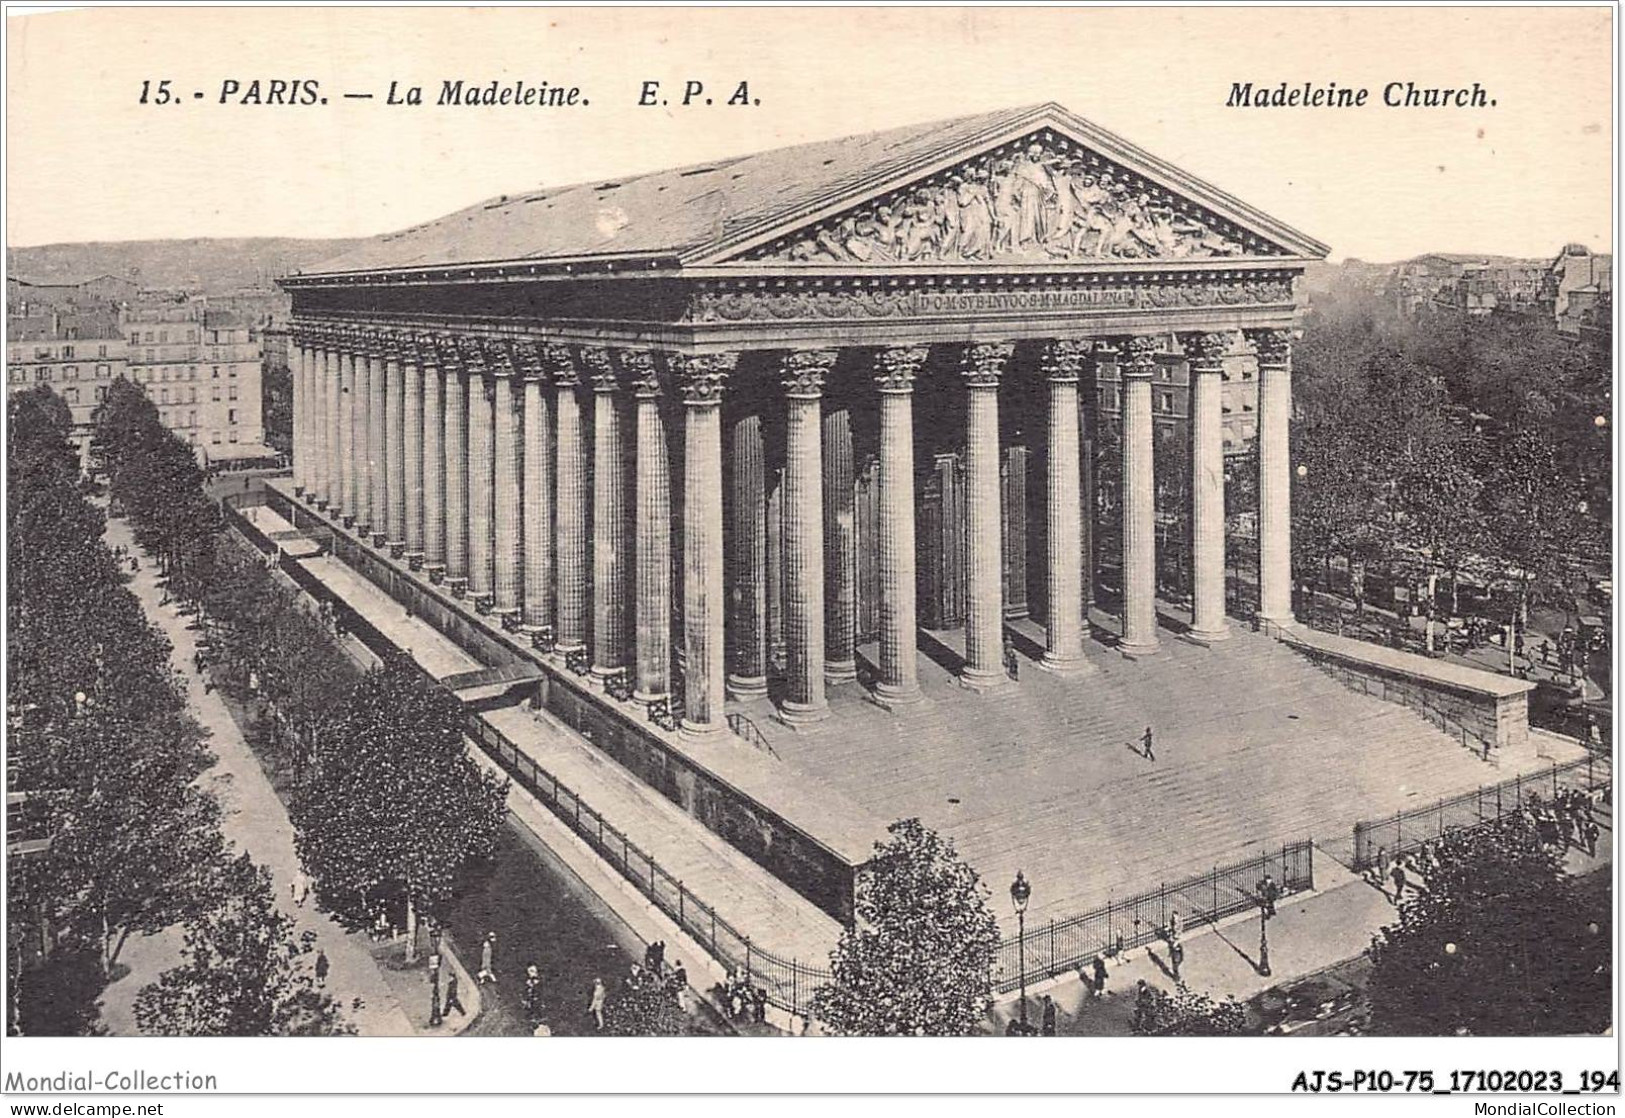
pixel 1145 742
pixel 1048 1027
pixel 487 951
pixel 1144 1006
pixel 532 1000
pixel 452 1000
pixel 434 967
pixel 1592 833
pixel 300 887
pixel 322 966
pixel 1099 985
pixel 1398 875
pixel 596 1005
pixel 679 986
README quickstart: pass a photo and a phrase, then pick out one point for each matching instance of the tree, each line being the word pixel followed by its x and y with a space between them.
pixel 1186 1012
pixel 1500 942
pixel 397 807
pixel 243 973
pixel 918 957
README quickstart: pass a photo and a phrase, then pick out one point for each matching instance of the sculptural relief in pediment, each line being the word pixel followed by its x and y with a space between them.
pixel 1039 200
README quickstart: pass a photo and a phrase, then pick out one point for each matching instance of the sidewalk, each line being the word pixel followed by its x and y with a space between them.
pixel 252 819
pixel 1310 932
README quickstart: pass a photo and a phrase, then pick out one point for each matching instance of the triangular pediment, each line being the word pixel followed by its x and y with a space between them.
pixel 1049 190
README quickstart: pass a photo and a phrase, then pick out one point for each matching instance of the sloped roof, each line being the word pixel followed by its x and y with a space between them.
pixel 684 211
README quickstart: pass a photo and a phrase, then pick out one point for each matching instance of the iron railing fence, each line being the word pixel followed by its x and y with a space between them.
pixel 1407 830
pixel 1055 946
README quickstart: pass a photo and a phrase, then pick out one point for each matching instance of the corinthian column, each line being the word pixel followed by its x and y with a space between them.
pixel 481 466
pixel 456 457
pixel 299 376
pixel 1139 502
pixel 434 458
pixel 538 494
pixel 352 426
pixel 652 679
pixel 1274 475
pixel 394 446
pixel 412 448
pixel 378 439
pixel 748 560
pixel 506 511
pixel 704 578
pixel 571 505
pixel 840 550
pixel 803 381
pixel 984 520
pixel 899 682
pixel 322 454
pixel 1064 627
pixel 363 405
pixel 1205 353
pixel 333 490
pixel 608 517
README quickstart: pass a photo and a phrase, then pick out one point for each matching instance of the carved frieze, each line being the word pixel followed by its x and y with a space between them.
pixel 753 304
pixel 1038 200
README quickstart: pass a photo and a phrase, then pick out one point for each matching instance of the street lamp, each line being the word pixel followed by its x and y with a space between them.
pixel 1020 892
pixel 1263 939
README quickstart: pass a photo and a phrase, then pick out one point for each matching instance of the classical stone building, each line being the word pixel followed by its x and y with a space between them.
pixel 758 426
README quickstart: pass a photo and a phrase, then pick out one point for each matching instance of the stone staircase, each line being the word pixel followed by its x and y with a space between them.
pixel 1254 746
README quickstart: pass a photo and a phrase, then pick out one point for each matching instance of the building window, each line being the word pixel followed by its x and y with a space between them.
pixel 214 393
pixel 163 395
pixel 231 393
pixel 233 371
pixel 101 351
pixel 67 351
pixel 101 372
pixel 42 373
pixel 214 437
pixel 163 337
pixel 191 419
pixel 231 416
pixel 191 395
pixel 71 395
pixel 70 372
pixel 233 435
pixel 101 393
pixel 215 373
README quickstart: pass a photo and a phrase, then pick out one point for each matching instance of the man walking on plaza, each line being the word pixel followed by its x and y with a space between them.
pixel 1048 1028
pixel 1399 878
pixel 487 949
pixel 1099 985
pixel 596 1005
pixel 1268 891
pixel 1145 741
pixel 452 1000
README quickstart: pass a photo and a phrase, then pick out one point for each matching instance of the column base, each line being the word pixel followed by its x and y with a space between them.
pixel 483 601
pixel 1283 621
pixel 298 490
pixel 322 503
pixel 1065 664
pixel 436 572
pixel 647 697
pixel 414 560
pixel 840 671
pixel 457 586
pixel 982 679
pixel 508 618
pixel 397 548
pixel 379 540
pixel 702 731
pixel 1207 637
pixel 746 688
pixel 349 520
pixel 1139 650
pixel 802 714
pixel 892 698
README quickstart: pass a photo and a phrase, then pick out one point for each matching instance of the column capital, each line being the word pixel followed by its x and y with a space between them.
pixel 895 369
pixel 352 338
pixel 599 363
pixel 1205 351
pixel 500 358
pixel 370 341
pixel 803 371
pixel 641 372
pixel 1062 359
pixel 449 351
pixel 984 362
pixel 702 375
pixel 472 350
pixel 1274 346
pixel 528 362
pixel 1141 351
pixel 393 344
pixel 559 361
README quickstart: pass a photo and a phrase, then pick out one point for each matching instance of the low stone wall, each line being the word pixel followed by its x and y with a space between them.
pixel 1492 709
pixel 823 875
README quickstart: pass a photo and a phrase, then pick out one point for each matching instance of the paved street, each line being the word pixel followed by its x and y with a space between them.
pixel 253 820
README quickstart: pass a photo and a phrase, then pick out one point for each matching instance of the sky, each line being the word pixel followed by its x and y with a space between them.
pixel 88 161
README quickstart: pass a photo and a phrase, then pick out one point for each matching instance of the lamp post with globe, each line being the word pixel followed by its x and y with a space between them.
pixel 1020 893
